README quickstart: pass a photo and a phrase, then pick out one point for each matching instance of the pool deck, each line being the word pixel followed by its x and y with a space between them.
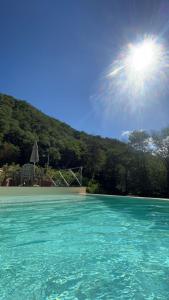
pixel 29 191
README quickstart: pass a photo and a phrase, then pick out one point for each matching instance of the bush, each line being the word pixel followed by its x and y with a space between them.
pixel 93 187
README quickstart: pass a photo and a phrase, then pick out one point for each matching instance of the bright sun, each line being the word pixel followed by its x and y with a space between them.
pixel 137 77
pixel 139 66
pixel 144 56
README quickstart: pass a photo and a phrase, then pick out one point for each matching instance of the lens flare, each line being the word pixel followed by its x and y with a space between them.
pixel 137 78
pixel 139 66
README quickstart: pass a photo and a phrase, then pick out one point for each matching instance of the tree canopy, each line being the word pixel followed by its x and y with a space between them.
pixel 139 167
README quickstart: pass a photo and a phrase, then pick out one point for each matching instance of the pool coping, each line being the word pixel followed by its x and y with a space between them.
pixel 127 196
pixel 30 191
pixel 38 191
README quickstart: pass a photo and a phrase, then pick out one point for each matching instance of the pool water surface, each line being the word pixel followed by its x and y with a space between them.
pixel 84 247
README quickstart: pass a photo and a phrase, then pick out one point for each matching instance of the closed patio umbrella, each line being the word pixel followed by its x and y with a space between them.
pixel 34 155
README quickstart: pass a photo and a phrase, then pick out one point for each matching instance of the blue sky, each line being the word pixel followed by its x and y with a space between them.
pixel 54 54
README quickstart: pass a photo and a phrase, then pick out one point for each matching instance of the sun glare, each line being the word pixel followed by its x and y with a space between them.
pixel 144 56
pixel 139 66
pixel 137 78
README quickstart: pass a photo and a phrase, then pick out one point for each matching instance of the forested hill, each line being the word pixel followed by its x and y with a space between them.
pixel 21 124
pixel 110 166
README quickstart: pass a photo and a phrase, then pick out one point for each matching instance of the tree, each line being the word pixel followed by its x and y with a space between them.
pixel 139 140
pixel 9 153
pixel 161 141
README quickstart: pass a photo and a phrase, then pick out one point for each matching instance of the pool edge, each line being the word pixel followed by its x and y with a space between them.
pixel 30 191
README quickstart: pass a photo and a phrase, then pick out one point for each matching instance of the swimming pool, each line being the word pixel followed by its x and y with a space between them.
pixel 84 247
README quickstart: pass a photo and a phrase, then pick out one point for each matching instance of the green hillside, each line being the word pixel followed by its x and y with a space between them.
pixel 109 165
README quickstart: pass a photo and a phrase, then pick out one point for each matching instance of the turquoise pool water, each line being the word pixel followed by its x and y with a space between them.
pixel 84 247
